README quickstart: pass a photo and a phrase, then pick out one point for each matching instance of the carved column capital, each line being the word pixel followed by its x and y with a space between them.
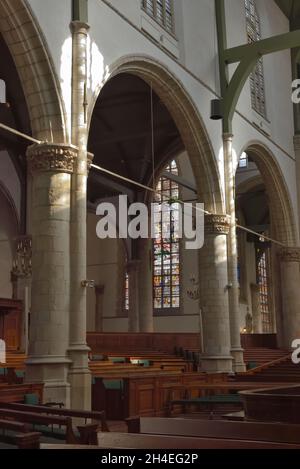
pixel 289 254
pixel 79 27
pixel 90 158
pixel 217 224
pixel 51 157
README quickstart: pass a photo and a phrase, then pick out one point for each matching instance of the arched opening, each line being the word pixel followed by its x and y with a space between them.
pixel 263 206
pixel 29 52
pixel 31 105
pixel 142 110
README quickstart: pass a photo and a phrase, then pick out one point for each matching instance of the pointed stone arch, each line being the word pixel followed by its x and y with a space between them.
pixel 187 119
pixel 282 216
pixel 27 46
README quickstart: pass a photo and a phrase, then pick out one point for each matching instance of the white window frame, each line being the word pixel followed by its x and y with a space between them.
pixel 257 79
pixel 151 7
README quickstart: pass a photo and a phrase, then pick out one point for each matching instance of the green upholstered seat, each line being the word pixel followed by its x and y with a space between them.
pixel 251 365
pixel 31 399
pixel 116 384
pixel 117 359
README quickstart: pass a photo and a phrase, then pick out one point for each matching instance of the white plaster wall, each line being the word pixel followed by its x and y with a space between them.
pixel 102 266
pixel 114 36
pixel 54 19
pixel 189 258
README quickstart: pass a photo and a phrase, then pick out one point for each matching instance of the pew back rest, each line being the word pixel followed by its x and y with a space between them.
pixel 140 441
pixel 39 419
pixel 98 416
pixel 256 431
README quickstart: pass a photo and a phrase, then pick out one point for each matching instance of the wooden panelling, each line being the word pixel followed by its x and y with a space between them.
pixel 118 342
pixel 10 323
pixel 146 395
pixel 259 340
pixel 16 393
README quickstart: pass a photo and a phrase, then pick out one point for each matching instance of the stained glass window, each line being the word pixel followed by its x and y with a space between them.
pixel 161 11
pixel 243 161
pixel 126 292
pixel 263 282
pixel 257 81
pixel 166 281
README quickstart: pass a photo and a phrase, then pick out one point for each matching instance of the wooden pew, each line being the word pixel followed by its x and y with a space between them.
pixel 24 438
pixel 16 392
pixel 275 433
pixel 37 419
pixel 96 416
pixel 138 441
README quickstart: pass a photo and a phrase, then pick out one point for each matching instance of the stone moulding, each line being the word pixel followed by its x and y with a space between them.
pixel 51 157
pixel 217 224
pixel 289 254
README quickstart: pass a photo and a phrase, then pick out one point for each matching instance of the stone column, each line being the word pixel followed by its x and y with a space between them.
pixel 290 294
pixel 79 375
pixel 145 286
pixel 99 292
pixel 256 311
pixel 297 155
pixel 51 166
pixel 133 293
pixel 214 296
pixel 234 306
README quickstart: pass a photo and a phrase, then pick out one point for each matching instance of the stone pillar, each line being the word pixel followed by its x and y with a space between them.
pixel 234 305
pixel 51 166
pixel 145 286
pixel 297 155
pixel 256 311
pixel 79 374
pixel 133 293
pixel 99 293
pixel 213 291
pixel 290 294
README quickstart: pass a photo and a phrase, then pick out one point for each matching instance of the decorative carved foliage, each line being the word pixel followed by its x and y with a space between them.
pixel 51 157
pixel 217 224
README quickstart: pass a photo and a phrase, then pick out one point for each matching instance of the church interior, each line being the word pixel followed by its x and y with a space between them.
pixel 143 342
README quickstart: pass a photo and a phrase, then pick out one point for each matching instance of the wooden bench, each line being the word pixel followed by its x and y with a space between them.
pixel 42 422
pixel 87 432
pixel 22 434
pixel 275 433
pixel 210 401
pixel 98 416
pixel 134 441
pixel 17 392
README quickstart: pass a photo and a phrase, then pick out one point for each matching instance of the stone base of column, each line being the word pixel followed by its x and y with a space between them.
pixel 53 372
pixel 238 360
pixel 216 364
pixel 80 378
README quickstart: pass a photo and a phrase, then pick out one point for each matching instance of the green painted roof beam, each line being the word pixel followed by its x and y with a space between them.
pixel 247 56
pixel 234 89
pixel 80 10
pixel 263 47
